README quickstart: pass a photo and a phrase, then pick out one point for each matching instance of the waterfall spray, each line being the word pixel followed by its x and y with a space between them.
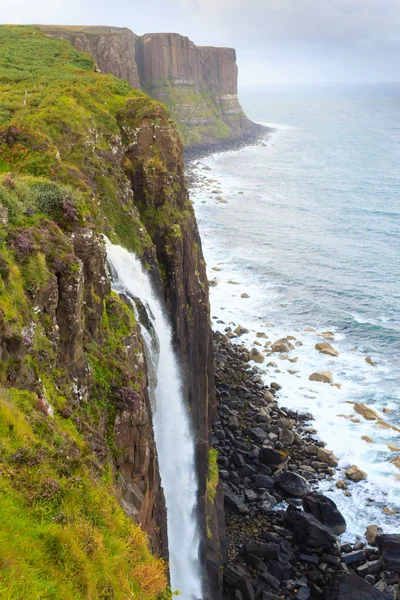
pixel 174 439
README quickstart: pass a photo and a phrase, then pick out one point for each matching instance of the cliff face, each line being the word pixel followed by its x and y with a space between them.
pixel 154 163
pixel 104 159
pixel 113 48
pixel 198 84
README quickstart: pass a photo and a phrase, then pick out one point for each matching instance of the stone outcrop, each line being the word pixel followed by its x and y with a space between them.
pixel 198 84
pixel 113 48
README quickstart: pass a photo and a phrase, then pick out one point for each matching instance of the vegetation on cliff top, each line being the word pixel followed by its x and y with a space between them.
pixel 63 534
pixel 58 120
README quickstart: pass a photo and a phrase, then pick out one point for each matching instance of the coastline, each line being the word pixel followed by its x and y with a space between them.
pixel 278 522
pixel 255 136
pixel 283 534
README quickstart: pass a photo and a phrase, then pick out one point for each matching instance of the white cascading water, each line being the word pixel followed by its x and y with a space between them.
pixel 174 439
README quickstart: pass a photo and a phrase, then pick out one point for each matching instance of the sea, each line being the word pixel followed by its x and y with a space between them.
pixel 306 223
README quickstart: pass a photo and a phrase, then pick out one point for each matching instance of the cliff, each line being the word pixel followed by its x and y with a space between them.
pixel 83 154
pixel 197 84
pixel 112 48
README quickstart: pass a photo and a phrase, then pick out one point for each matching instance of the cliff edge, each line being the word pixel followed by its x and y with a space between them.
pixel 84 154
pixel 198 84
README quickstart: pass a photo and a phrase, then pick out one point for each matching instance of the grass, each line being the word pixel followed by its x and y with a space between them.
pixel 58 121
pixel 63 534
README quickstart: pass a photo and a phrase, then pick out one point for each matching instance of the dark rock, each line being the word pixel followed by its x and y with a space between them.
pixel 273 458
pixel 270 580
pixel 369 568
pixel 246 589
pixel 310 558
pixel 238 459
pixel 389 547
pixel 258 434
pixel 263 481
pixel 303 594
pixel 295 485
pixel 267 502
pixel 268 551
pixel 352 587
pixel 325 510
pixel 276 386
pixel 352 557
pixel 308 531
pixel 233 572
pixel 233 503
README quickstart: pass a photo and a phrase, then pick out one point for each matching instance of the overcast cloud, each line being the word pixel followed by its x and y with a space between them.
pixel 276 40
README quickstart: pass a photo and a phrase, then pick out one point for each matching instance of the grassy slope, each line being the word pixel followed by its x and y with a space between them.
pixel 63 534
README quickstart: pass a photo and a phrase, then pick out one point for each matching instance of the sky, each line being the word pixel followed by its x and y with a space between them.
pixel 291 41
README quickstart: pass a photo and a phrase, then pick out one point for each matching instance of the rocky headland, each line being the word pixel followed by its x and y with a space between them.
pixel 198 84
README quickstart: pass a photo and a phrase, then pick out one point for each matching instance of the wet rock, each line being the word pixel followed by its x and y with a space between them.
pixel 372 533
pixel 241 330
pixel 369 568
pixel 327 457
pixel 308 531
pixel 256 355
pixel 325 510
pixel 268 396
pixel 276 386
pixel 282 345
pixel 389 547
pixel 294 485
pixel 326 348
pixel 355 474
pixel 352 587
pixel 322 376
pixel 353 557
pixel 365 411
pixel 268 502
pixel 273 458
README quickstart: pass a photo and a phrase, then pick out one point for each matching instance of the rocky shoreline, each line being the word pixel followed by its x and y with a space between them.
pixel 282 535
pixel 256 135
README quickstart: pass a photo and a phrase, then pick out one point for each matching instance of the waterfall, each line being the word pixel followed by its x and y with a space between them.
pixel 174 439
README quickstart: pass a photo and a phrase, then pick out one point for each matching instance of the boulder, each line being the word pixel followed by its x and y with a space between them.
pixel 233 502
pixel 365 411
pixel 327 457
pixel 389 547
pixel 267 502
pixel 351 587
pixel 293 484
pixel 240 330
pixel 325 510
pixel 282 345
pixel 308 531
pixel 372 533
pixel 263 481
pixel 322 376
pixel 268 396
pixel 256 355
pixel 273 458
pixel 355 474
pixel 326 348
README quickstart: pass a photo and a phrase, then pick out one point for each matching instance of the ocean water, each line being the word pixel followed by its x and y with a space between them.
pixel 310 231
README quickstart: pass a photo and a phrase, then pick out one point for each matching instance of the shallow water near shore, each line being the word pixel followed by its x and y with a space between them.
pixel 308 226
